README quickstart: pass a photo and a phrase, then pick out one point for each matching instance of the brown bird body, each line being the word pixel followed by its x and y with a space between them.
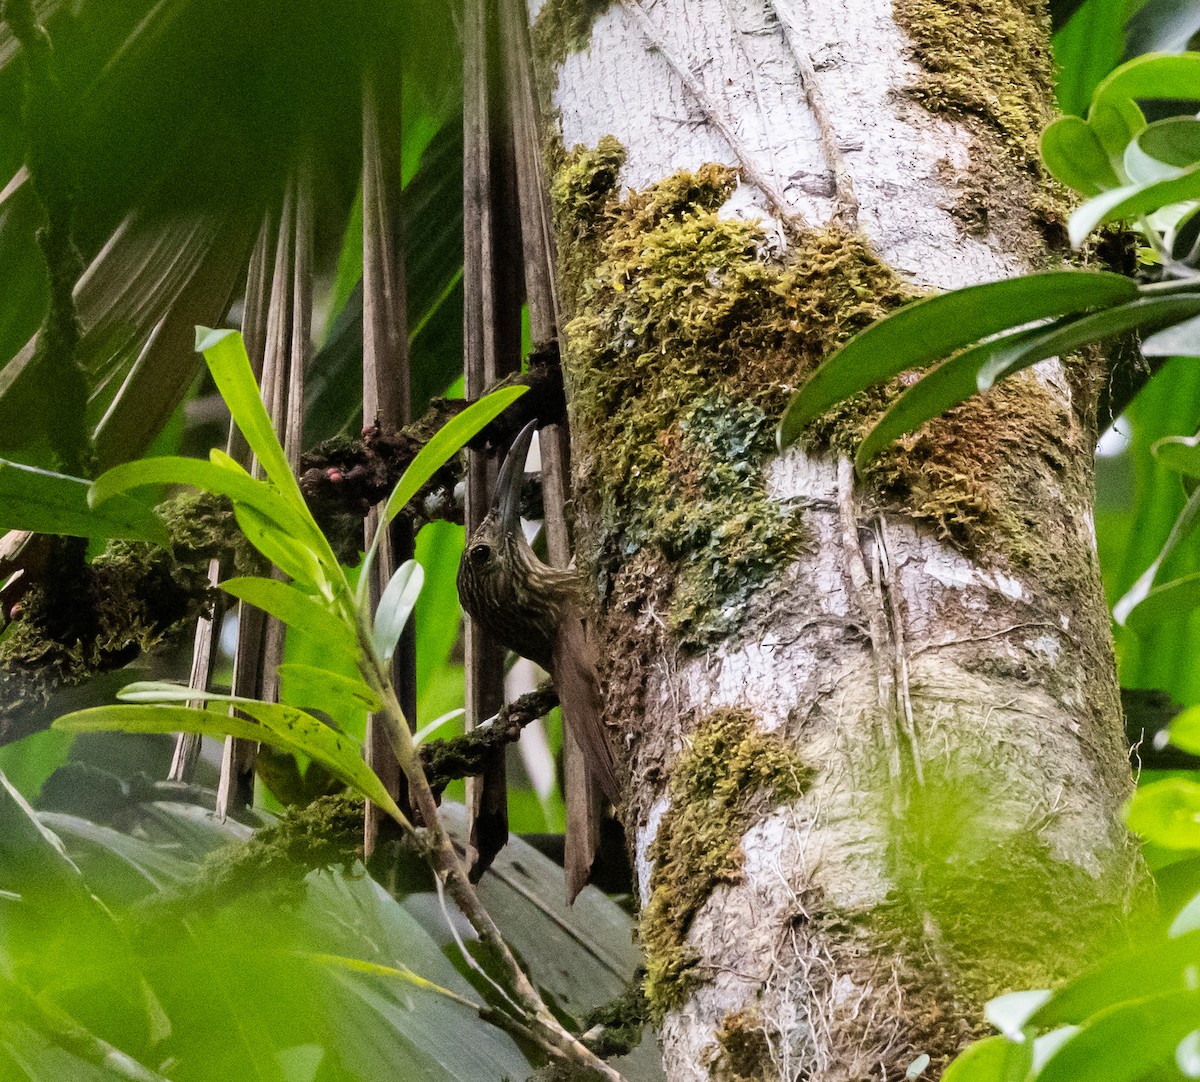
pixel 535 610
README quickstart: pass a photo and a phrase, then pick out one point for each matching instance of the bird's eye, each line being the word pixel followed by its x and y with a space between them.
pixel 480 553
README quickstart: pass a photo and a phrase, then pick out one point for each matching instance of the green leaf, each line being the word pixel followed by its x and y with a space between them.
pixel 993 1059
pixel 1174 600
pixel 295 608
pixel 1181 340
pixel 1115 124
pixel 308 687
pixel 943 388
pixel 445 443
pixel 1131 974
pixel 1174 141
pixel 978 368
pixel 1156 152
pixel 225 353
pixel 1060 338
pixel 1185 730
pixel 276 724
pixel 395 607
pixel 1179 453
pixel 291 556
pixel 1086 50
pixel 1167 812
pixel 221 476
pixel 1075 156
pixel 55 503
pixel 931 329
pixel 1155 75
pixel 1131 201
pixel 1127 1041
pixel 1185 524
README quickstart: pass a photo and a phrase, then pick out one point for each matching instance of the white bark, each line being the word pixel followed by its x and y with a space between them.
pixel 804 664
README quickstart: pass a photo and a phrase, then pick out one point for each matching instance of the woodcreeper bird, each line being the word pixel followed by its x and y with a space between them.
pixel 535 610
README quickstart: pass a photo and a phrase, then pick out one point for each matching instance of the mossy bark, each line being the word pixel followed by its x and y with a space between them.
pixel 871 730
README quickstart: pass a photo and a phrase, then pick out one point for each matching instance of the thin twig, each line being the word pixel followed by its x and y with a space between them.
pixel 787 215
pixel 903 692
pixel 756 84
pixel 870 606
pixel 449 868
pixel 846 202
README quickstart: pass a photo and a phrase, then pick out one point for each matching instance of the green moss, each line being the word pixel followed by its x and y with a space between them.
pixel 727 774
pixel 622 1020
pixel 326 834
pixel 686 344
pixel 745 1054
pixel 131 598
pixel 988 59
pixel 981 475
pixel 583 188
pixel 988 63
pixel 562 27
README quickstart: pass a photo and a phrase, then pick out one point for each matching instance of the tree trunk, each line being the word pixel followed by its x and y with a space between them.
pixel 871 732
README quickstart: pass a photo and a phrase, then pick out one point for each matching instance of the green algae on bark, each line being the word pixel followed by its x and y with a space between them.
pixel 988 64
pixel 131 598
pixel 686 342
pixel 727 775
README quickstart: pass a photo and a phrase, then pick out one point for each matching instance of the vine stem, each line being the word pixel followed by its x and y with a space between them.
pixel 541 1023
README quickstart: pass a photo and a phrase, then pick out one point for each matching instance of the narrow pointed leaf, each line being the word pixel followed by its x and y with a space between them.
pixel 1131 201
pixel 375 969
pixel 225 353
pixel 215 477
pixel 310 688
pixel 291 556
pixel 1061 338
pixel 1185 524
pixel 1174 600
pixel 931 329
pixel 395 607
pixel 295 608
pixel 281 726
pixel 55 503
pixel 943 388
pixel 445 443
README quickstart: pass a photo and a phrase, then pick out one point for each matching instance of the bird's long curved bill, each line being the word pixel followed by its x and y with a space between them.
pixel 512 474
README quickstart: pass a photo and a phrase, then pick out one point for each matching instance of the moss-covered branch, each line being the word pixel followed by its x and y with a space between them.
pixel 467 755
pixel 342 479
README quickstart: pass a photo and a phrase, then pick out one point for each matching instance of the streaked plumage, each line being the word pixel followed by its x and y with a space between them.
pixel 535 611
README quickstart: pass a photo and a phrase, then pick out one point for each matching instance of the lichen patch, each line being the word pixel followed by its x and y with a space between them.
pixel 687 340
pixel 727 775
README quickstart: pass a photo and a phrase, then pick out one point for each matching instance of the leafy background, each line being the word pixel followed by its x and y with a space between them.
pixel 185 127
